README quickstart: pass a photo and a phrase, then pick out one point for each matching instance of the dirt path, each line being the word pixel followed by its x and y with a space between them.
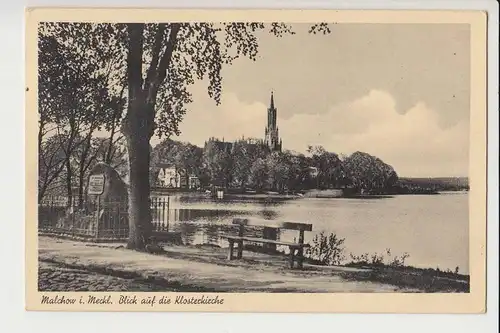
pixel 56 277
pixel 189 269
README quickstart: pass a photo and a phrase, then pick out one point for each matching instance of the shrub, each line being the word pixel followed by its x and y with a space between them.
pixel 378 259
pixel 399 261
pixel 326 250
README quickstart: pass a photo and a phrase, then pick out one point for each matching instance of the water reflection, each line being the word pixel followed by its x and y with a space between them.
pixel 212 233
pixel 188 231
pixel 229 200
pixel 210 215
pixel 268 214
pixel 202 220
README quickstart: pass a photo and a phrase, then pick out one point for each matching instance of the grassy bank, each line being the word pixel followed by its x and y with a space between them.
pixel 392 272
pixel 427 280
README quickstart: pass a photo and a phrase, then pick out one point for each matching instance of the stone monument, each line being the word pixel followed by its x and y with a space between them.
pixel 104 216
pixel 111 206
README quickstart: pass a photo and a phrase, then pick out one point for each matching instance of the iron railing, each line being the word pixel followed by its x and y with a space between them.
pixel 95 220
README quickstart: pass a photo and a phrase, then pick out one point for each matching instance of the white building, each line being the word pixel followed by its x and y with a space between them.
pixel 171 177
pixel 168 176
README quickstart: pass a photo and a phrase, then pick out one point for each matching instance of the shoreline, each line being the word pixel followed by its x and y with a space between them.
pixel 318 195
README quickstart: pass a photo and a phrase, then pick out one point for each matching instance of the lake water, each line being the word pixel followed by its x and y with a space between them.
pixel 433 229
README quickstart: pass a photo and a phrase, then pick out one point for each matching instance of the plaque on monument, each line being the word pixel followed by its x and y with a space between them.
pixel 96 184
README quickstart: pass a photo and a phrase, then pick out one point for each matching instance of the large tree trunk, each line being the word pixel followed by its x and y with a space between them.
pixel 138 125
pixel 137 128
pixel 138 201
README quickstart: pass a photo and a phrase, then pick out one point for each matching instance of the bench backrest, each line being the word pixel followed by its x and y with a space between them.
pixel 273 224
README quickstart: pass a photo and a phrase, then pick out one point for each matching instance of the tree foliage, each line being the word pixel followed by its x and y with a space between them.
pixel 329 166
pixel 183 156
pixel 77 97
pixel 250 164
pixel 369 173
pixel 218 163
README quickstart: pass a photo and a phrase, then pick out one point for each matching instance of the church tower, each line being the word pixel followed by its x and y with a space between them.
pixel 272 135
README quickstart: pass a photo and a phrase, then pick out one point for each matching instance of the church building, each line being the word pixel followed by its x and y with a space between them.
pixel 272 138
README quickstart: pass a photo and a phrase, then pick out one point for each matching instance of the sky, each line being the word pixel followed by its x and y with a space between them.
pixel 397 91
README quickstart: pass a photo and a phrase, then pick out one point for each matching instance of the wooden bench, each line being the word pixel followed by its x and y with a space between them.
pixel 294 247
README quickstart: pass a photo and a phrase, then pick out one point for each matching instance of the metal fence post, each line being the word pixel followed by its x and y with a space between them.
pixel 151 211
pixel 163 214
pixel 168 211
pixel 97 217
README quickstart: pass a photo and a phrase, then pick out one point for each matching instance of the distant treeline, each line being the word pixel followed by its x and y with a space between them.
pixel 437 184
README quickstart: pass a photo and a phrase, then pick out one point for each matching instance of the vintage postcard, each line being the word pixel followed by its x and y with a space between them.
pixel 255 160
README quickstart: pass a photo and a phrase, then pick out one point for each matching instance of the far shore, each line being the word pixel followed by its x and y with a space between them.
pixel 320 194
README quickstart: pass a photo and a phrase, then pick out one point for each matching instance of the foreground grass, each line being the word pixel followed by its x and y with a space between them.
pixel 427 280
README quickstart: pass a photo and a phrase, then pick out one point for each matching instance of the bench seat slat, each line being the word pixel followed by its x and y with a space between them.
pixel 273 224
pixel 262 240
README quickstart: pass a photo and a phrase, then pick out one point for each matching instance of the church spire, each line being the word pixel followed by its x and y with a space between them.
pixel 271 133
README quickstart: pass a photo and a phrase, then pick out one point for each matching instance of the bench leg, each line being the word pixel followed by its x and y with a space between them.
pixel 240 249
pixel 292 257
pixel 300 250
pixel 300 258
pixel 230 253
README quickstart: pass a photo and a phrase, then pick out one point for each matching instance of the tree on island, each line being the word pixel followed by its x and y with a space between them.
pixel 259 174
pixel 329 166
pixel 242 162
pixel 217 163
pixel 367 173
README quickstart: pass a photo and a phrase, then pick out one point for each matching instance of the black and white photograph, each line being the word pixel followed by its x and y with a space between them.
pixel 252 157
